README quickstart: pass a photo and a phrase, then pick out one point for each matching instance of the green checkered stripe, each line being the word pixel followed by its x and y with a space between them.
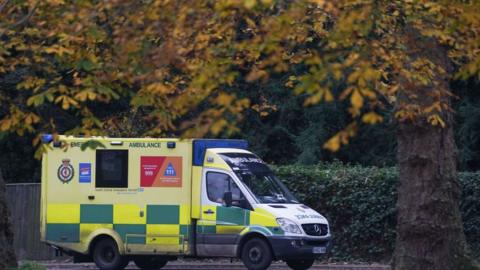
pixel 102 214
pixel 235 217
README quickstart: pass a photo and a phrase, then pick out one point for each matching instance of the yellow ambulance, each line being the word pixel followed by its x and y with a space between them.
pixel 116 200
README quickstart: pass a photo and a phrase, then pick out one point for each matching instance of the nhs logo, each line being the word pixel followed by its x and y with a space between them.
pixel 170 171
pixel 85 175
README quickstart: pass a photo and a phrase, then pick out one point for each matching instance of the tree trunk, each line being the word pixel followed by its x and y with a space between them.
pixel 7 254
pixel 429 226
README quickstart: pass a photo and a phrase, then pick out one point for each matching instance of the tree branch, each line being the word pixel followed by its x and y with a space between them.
pixel 3 5
pixel 27 17
pixel 22 20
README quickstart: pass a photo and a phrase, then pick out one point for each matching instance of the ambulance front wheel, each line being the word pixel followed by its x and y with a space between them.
pixel 106 255
pixel 256 254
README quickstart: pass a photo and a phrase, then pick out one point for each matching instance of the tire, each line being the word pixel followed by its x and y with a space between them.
pixel 300 264
pixel 150 262
pixel 106 255
pixel 256 254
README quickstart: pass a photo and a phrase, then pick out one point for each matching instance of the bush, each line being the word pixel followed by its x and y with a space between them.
pixel 470 209
pixel 359 202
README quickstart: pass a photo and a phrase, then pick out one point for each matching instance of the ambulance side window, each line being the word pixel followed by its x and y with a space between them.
pixel 218 184
pixel 111 168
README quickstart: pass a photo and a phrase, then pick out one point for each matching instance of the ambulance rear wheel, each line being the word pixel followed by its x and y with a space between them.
pixel 106 255
pixel 256 254
pixel 150 262
pixel 300 264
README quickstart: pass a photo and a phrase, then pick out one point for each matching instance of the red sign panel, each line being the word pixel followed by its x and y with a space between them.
pixel 161 171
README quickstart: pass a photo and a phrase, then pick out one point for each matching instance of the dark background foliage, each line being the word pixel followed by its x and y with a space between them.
pixel 359 203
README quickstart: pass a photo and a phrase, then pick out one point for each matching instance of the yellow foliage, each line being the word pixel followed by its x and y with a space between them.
pixel 5 124
pixel 170 57
pixel 250 3
pixel 333 144
pixel 436 120
pixel 356 99
pixel 256 74
pixel 58 50
pixel 372 118
pixel 224 99
pixel 322 94
pixel 31 118
pixel 341 138
pixel 218 126
pixel 87 94
pixel 66 101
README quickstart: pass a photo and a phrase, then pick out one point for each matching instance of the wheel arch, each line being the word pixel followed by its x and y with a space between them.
pixel 251 235
pixel 103 233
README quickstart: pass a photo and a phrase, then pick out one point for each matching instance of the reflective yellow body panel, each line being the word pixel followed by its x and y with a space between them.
pixel 154 210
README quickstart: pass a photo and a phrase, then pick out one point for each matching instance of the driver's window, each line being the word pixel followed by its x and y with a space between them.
pixel 236 193
pixel 218 184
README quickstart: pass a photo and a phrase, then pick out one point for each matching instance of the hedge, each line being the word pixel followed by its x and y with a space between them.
pixel 359 203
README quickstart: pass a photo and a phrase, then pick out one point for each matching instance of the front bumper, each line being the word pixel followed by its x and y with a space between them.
pixel 291 247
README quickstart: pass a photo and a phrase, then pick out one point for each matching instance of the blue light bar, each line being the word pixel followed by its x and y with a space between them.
pixel 200 146
pixel 47 138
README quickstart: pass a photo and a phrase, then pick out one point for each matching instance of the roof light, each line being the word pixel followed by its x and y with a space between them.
pixel 171 144
pixel 201 145
pixel 47 138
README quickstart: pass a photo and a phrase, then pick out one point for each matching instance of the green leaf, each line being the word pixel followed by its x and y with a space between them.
pixel 92 144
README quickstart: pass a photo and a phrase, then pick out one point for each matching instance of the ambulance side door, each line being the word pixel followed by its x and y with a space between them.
pixel 219 225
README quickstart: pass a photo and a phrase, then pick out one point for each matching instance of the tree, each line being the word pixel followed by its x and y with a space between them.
pixel 173 65
pixel 136 57
pixel 6 234
pixel 7 252
pixel 389 56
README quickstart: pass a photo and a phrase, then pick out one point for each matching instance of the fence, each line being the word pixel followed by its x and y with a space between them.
pixel 23 201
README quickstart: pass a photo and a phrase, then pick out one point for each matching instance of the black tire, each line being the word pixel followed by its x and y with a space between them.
pixel 300 264
pixel 106 255
pixel 256 254
pixel 150 262
pixel 125 262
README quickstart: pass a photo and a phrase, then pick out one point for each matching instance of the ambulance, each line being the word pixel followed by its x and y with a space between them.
pixel 150 201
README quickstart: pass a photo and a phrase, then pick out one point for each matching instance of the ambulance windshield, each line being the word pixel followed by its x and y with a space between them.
pixel 258 178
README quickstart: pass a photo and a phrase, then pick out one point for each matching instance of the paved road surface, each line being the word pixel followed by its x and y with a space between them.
pixel 226 265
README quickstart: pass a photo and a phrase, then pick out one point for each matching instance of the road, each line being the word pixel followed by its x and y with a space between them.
pixel 226 265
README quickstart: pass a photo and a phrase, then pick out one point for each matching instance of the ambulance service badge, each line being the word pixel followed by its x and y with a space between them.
pixel 65 171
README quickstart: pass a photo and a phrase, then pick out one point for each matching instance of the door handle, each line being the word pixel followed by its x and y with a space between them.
pixel 209 211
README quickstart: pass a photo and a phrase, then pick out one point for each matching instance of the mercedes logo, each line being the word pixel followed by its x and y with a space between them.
pixel 317 228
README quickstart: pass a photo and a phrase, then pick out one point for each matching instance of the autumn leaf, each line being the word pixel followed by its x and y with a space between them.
pixel 218 126
pixel 250 3
pixel 372 118
pixel 256 74
pixel 66 101
pixel 356 99
pixel 59 50
pixel 86 94
pixel 333 144
pixel 436 120
pixel 92 144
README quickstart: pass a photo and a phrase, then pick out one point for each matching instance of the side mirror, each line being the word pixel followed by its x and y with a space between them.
pixel 227 198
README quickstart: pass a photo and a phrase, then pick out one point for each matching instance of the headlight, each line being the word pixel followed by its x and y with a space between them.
pixel 288 226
